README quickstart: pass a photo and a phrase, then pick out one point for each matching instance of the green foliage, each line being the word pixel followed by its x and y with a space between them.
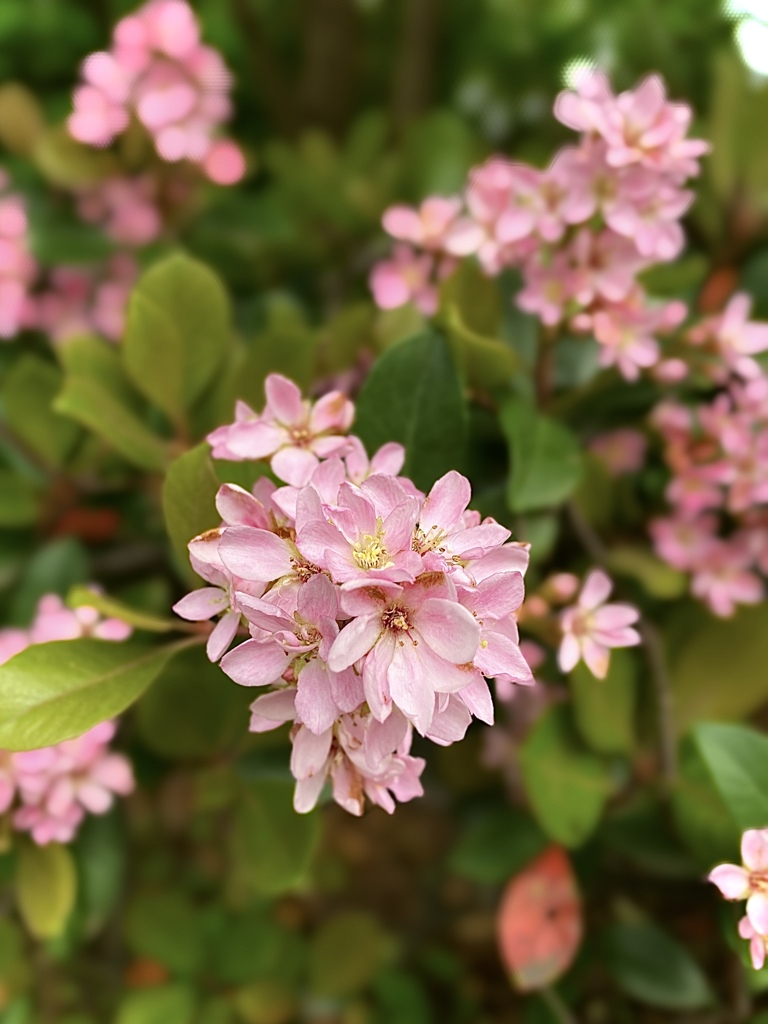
pixel 496 844
pixel 719 651
pixel 166 927
pixel 737 759
pixel 166 1004
pixel 178 333
pixel 52 692
pixel 654 969
pixel 21 501
pixel 46 885
pixel 215 709
pixel 604 709
pixel 703 819
pixel 272 846
pixel 566 784
pixel 544 454
pixel 413 395
pixel 189 491
pixel 346 954
pixel 27 394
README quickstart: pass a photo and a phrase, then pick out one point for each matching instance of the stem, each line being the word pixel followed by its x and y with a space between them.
pixel 543 371
pixel 654 652
pixel 561 1012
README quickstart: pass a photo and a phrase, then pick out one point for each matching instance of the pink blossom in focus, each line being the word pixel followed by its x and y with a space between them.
pixel 749 881
pixel 592 627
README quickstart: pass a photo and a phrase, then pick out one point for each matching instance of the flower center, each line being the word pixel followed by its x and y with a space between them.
pixel 300 436
pixel 396 619
pixel 369 551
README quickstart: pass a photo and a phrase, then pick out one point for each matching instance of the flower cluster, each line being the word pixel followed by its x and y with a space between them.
pixel 80 300
pixel 749 881
pixel 160 73
pixel 580 231
pixel 17 268
pixel 717 451
pixel 126 207
pixel 50 790
pixel 372 608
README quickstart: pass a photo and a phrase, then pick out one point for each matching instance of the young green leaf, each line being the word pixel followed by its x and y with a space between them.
pixel 413 395
pixel 54 691
pixel 46 886
pixel 164 1004
pixel 178 332
pixel 545 457
pixel 566 784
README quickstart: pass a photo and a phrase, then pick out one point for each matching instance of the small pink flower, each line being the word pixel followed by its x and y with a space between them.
pixel 407 277
pixel 437 225
pixel 622 450
pixel 592 627
pixel 749 882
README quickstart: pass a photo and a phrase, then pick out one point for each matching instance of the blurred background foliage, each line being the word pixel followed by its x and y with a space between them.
pixel 208 900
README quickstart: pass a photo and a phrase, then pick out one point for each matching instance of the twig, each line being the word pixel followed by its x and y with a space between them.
pixel 654 652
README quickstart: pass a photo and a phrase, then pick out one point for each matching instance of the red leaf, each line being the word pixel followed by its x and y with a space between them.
pixel 540 923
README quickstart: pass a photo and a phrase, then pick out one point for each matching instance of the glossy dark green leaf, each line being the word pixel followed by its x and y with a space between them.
pixel 413 395
pixel 654 969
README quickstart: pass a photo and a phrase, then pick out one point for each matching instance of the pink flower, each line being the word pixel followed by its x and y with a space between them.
pixel 411 642
pixel 734 337
pixel 17 267
pixel 159 73
pixel 85 300
pixel 592 627
pixel 127 207
pixel 749 882
pixel 293 433
pixel 54 621
pixel 437 225
pixel 408 277
pixel 622 450
pixel 58 785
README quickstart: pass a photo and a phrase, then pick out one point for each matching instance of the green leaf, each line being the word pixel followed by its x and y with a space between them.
pixel 653 968
pixel 215 709
pixel 178 332
pixel 566 784
pixel 46 886
pixel 54 691
pixel 702 817
pixel 99 360
pixel 413 395
pixel 655 576
pixel 67 163
pixel 166 1004
pixel 53 569
pixel 272 845
pixel 496 844
pixel 401 997
pixel 28 392
pixel 346 953
pixel 545 456
pixel 88 402
pixel 166 927
pixel 189 494
pixel 737 759
pixel 250 946
pixel 717 652
pixel 287 345
pixel 604 709
pixel 20 503
pixel 84 597
pixel 101 859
